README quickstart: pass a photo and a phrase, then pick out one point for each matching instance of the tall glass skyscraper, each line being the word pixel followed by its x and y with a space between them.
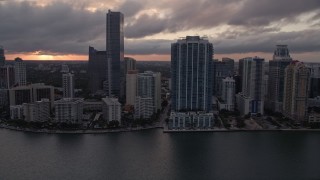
pixel 251 98
pixel 281 59
pixel 191 73
pixel 191 66
pixel 115 50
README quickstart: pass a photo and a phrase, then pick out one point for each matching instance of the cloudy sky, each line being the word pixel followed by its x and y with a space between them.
pixel 63 29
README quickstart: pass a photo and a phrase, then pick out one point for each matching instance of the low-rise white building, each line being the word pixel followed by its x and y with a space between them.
pixel 38 111
pixel 190 120
pixel 111 109
pixel 16 112
pixel 69 110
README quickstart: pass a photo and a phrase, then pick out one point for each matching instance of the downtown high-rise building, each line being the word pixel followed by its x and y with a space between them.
pixel 296 91
pixel 148 94
pixel 129 68
pixel 20 72
pixel 97 69
pixel 68 85
pixel 2 57
pixel 30 94
pixel 227 100
pixel 131 87
pixel 7 77
pixel 7 81
pixel 192 78
pixel 115 52
pixel 130 64
pixel 314 80
pixel 281 59
pixel 221 70
pixel 251 98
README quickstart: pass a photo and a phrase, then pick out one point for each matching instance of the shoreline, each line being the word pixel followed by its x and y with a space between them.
pixel 102 131
pixel 106 131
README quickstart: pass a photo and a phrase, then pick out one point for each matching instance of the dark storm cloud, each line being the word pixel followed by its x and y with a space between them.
pixel 299 42
pixel 131 7
pixel 55 28
pixel 264 12
pixel 157 46
pixel 211 13
pixel 64 28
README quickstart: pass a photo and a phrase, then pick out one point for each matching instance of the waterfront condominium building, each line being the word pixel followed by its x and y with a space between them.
pixel 38 111
pixel 115 50
pixel 131 87
pixel 31 93
pixel 148 89
pixel 227 100
pixel 69 110
pixel 281 59
pixel 2 57
pixel 296 89
pixel 68 85
pixel 191 75
pixel 111 109
pixel 251 97
pixel 20 72
pixel 97 69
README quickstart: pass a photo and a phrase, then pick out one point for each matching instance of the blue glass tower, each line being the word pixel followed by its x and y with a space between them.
pixel 115 50
pixel 192 78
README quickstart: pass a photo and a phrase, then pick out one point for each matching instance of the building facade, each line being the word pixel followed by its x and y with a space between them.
pixel 115 50
pixel 68 85
pixel 69 110
pixel 281 59
pixel 20 72
pixel 131 87
pixel 16 112
pixel 314 80
pixel 148 88
pixel 149 85
pixel 111 109
pixel 251 98
pixel 228 94
pixel 31 93
pixel 222 69
pixel 7 77
pixel 296 91
pixel 130 64
pixel 191 74
pixel 38 111
pixel 2 57
pixel 97 69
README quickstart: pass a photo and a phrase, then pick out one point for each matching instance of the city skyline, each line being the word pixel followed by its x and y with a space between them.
pixel 149 27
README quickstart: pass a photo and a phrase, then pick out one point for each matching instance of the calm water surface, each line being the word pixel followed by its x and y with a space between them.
pixel 154 155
